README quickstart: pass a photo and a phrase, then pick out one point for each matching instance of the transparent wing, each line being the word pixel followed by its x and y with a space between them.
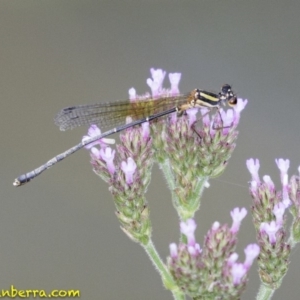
pixel 114 114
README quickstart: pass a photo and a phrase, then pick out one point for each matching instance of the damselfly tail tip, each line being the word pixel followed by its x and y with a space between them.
pixel 16 182
pixel 21 180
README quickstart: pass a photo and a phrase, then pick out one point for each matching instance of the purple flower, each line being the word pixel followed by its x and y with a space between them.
pixel 251 252
pixel 95 131
pixel 188 229
pixel 192 113
pixel 238 271
pixel 283 165
pixel 227 117
pixel 237 216
pixel 145 130
pixel 285 199
pixel 270 229
pixel 253 167
pixel 241 104
pixel 155 83
pixel 270 184
pixel 194 250
pixel 96 152
pixel 232 259
pixel 132 93
pixel 174 81
pixel 133 96
pixel 173 250
pixel 215 226
pixel 108 156
pixel 128 168
pixel 278 211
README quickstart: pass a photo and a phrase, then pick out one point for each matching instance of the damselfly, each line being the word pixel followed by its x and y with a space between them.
pixel 114 113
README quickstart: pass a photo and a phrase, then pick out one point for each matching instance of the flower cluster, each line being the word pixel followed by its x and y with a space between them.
pixel 269 218
pixel 213 270
pixel 189 153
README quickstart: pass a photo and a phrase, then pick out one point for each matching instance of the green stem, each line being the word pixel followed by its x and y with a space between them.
pixel 163 271
pixel 195 203
pixel 187 212
pixel 264 293
pixel 167 171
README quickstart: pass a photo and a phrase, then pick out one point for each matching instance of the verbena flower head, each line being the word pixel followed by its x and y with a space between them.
pixel 213 270
pixel 268 212
pixel 190 148
pixel 192 153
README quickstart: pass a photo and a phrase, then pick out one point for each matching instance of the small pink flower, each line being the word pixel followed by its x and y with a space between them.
pixel 132 93
pixel 268 181
pixel 270 229
pixel 238 271
pixel 192 114
pixel 96 152
pixel 145 130
pixel 253 185
pixel 251 252
pixel 232 259
pixel 194 250
pixel 158 75
pixel 286 200
pixel 241 104
pixel 173 250
pixel 215 226
pixel 253 167
pixel 128 168
pixel 283 165
pixel 278 211
pixel 155 83
pixel 237 216
pixel 188 229
pixel 108 156
pixel 174 80
pixel 227 117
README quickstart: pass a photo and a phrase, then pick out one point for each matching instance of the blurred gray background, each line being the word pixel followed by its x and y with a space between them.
pixel 60 231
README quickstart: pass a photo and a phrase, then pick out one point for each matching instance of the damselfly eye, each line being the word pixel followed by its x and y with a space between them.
pixel 226 88
pixel 232 101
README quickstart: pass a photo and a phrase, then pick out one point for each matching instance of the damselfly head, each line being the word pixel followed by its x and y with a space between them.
pixel 227 95
pixel 226 89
